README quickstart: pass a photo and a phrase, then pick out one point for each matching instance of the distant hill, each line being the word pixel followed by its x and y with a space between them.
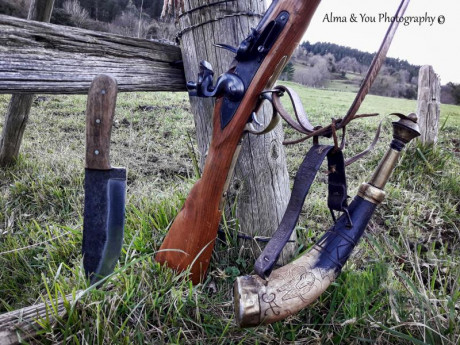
pixel 332 66
pixel 365 58
pixel 336 67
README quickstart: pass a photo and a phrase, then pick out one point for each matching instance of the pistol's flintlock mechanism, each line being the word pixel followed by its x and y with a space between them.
pixel 233 84
pixel 228 85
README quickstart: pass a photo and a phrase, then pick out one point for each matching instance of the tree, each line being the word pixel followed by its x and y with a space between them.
pixel 330 62
pixel 131 8
pixel 455 92
pixel 154 9
pixel 384 85
pixel 162 31
pixel 61 17
pixel 403 76
pixel 288 71
pixel 350 64
pixel 131 22
pixel 16 8
pixel 78 14
pixel 172 8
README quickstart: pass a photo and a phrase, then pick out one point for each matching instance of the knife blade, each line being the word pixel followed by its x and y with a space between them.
pixel 105 187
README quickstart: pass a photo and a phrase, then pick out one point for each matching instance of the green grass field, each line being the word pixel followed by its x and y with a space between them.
pixel 401 285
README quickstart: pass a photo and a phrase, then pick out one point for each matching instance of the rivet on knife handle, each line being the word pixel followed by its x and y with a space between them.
pixel 100 111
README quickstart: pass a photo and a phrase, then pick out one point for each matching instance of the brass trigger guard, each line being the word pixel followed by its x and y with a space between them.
pixel 275 117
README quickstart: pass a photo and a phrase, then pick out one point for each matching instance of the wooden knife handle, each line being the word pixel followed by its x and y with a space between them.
pixel 100 110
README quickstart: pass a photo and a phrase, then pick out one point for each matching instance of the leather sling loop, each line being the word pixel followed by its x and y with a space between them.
pixel 337 185
pixel 302 125
pixel 302 183
pixel 368 149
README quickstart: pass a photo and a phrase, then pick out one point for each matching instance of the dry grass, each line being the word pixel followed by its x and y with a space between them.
pixel 400 287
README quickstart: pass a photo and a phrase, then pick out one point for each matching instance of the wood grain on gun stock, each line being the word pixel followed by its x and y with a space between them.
pixel 190 240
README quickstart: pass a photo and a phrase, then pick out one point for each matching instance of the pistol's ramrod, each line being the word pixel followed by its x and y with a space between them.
pixel 297 284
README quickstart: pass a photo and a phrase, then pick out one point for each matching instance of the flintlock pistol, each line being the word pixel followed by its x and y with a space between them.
pixel 259 60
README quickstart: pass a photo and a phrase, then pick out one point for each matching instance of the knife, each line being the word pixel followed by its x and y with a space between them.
pixel 105 187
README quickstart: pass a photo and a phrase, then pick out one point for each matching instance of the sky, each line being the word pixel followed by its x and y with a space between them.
pixel 419 43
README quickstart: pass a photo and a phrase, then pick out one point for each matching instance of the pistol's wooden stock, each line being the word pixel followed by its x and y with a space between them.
pixel 195 227
pixel 190 240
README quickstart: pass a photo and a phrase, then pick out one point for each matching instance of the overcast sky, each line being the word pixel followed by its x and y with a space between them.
pixel 434 44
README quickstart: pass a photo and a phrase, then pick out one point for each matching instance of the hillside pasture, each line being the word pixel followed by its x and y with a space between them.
pixel 401 285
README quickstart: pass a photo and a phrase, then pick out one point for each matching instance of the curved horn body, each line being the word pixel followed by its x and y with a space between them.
pixel 297 284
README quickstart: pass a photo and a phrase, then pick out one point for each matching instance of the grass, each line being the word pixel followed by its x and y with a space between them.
pixel 401 285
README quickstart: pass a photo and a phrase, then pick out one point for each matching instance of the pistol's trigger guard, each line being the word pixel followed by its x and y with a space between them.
pixel 251 126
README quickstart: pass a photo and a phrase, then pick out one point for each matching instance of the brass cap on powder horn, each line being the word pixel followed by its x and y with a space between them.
pixel 406 128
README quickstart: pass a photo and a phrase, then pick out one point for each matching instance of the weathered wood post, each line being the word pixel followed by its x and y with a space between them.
pixel 19 107
pixel 428 105
pixel 261 182
pixel 55 59
pixel 20 325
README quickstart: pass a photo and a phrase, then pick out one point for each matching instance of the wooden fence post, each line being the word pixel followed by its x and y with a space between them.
pixel 428 105
pixel 261 182
pixel 19 107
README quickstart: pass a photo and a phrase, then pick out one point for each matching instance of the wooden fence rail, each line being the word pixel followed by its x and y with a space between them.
pixel 39 57
pixel 19 107
pixel 21 324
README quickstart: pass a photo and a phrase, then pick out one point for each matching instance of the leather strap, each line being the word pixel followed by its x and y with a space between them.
pixel 337 200
pixel 302 182
pixel 302 124
pixel 369 148
pixel 337 197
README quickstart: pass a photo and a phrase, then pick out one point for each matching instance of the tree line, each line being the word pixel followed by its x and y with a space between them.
pixel 108 10
pixel 135 18
pixel 319 64
pixel 100 10
pixel 398 78
pixel 364 58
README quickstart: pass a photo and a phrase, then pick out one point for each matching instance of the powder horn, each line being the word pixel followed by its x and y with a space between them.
pixel 294 286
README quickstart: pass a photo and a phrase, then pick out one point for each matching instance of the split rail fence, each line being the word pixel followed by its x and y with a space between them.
pixel 37 57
